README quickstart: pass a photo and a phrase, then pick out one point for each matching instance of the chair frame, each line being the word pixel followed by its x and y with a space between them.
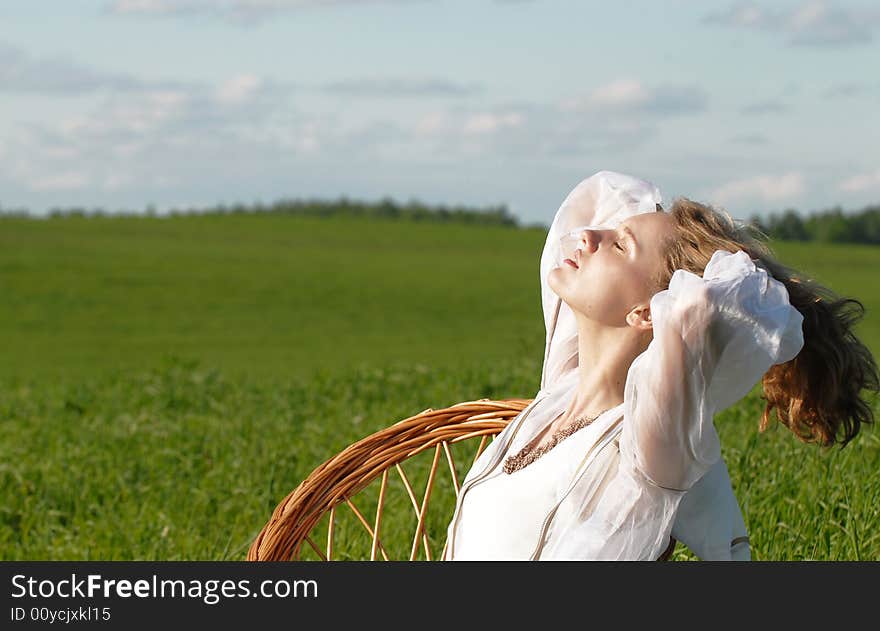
pixel 333 483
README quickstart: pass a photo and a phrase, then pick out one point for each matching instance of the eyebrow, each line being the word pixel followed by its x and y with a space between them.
pixel 631 236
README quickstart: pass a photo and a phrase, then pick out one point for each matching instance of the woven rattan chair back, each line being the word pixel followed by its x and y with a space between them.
pixel 289 532
pixel 334 483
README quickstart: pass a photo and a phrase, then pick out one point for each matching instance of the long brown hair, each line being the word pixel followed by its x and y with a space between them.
pixel 818 394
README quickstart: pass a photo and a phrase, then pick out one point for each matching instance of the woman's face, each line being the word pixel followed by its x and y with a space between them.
pixel 614 269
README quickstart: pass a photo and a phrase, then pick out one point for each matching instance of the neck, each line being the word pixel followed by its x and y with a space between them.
pixel 604 356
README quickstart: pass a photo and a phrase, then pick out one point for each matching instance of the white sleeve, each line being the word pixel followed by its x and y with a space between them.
pixel 709 520
pixel 714 337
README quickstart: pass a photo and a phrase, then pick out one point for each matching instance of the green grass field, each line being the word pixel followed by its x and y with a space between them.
pixel 166 382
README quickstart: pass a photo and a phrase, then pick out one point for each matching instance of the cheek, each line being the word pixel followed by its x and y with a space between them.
pixel 605 294
pixel 604 290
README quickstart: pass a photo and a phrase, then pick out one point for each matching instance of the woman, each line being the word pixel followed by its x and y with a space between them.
pixel 655 321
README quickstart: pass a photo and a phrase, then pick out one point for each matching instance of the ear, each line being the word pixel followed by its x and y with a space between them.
pixel 640 318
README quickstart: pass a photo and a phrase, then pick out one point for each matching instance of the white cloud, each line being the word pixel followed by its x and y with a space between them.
pixel 631 95
pixel 622 92
pixel 767 188
pixel 69 181
pixel 490 123
pixel 524 131
pixel 244 133
pixel 128 117
pixel 745 15
pixel 807 14
pixel 862 182
pixel 237 131
pixel 134 138
pixel 810 23
pixel 243 12
pixel 431 123
pixel 464 132
pixel 816 23
pixel 20 72
pixel 464 123
pixel 24 73
pixel 117 181
pixel 400 87
pixel 238 89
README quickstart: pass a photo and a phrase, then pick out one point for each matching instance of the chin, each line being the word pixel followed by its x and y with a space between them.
pixel 555 283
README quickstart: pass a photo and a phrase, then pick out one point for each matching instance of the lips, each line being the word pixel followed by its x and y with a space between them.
pixel 574 263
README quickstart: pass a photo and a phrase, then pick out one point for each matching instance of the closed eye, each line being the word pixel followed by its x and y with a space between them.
pixel 617 245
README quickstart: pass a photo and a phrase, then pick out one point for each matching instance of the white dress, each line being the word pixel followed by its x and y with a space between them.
pixel 499 500
pixel 651 467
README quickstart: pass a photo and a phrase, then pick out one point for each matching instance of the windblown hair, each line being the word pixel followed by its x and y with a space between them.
pixel 818 394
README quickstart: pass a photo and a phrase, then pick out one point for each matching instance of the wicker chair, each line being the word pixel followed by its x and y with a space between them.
pixel 334 483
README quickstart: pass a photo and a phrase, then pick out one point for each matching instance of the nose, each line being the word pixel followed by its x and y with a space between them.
pixel 590 240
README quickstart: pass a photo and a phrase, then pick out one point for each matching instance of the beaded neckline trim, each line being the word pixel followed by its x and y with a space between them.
pixel 526 456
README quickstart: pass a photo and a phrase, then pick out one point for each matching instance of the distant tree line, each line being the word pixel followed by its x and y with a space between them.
pixel 386 208
pixel 831 226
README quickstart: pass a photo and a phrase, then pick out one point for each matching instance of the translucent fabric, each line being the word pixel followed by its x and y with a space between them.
pixel 714 337
pixel 500 504
pixel 650 467
pixel 603 200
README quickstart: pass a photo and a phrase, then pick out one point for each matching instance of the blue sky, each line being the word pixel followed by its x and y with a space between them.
pixel 753 107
